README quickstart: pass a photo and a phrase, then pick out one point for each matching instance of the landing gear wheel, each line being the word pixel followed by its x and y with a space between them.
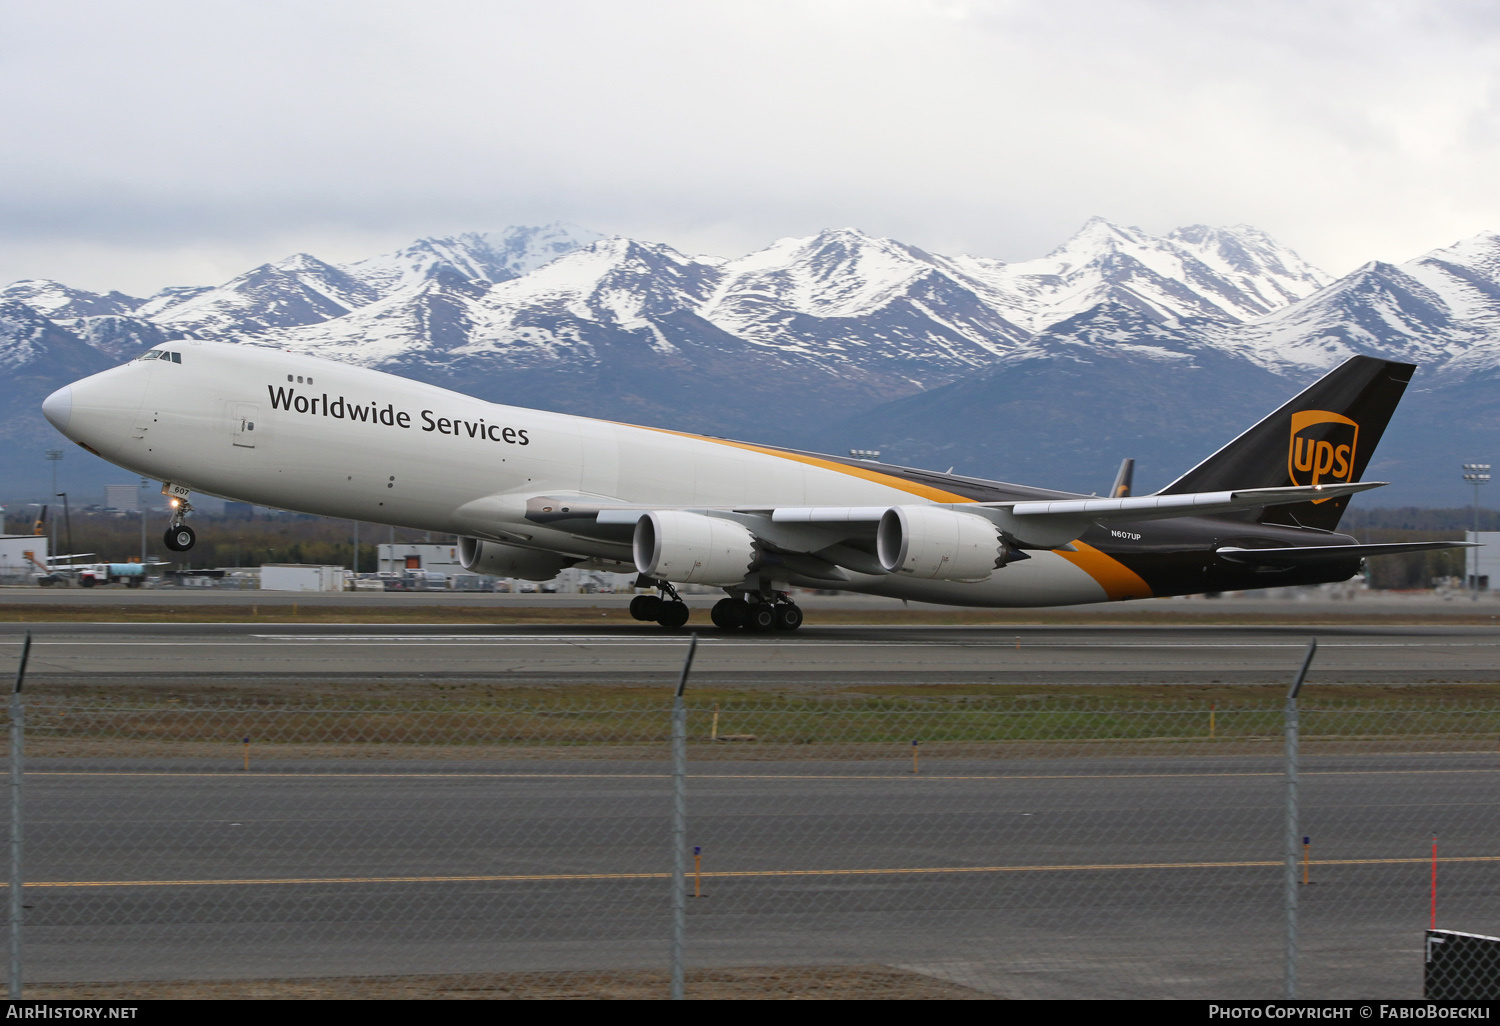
pixel 179 538
pixel 672 614
pixel 645 607
pixel 762 617
pixel 730 614
pixel 788 617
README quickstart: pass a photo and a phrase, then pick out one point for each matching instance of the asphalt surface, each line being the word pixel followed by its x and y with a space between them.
pixel 1022 877
pixel 1288 602
pixel 229 655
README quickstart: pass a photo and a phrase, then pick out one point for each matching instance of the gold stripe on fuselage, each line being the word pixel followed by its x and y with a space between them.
pixel 889 480
pixel 1117 579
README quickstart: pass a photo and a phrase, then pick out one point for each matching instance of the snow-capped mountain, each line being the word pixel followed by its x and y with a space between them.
pixel 36 357
pixel 1441 310
pixel 54 299
pixel 492 257
pixel 840 303
pixel 298 290
pixel 821 340
pixel 303 290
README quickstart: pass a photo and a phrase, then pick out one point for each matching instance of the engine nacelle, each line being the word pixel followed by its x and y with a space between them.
pixel 690 548
pixel 500 560
pixel 938 544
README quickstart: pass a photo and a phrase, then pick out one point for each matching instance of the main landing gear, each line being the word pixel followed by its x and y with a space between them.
pixel 669 612
pixel 732 613
pixel 772 611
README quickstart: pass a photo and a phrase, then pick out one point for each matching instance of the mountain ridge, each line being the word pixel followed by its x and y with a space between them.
pixel 814 341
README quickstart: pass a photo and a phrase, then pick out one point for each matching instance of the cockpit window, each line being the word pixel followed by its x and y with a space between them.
pixel 151 354
pixel 175 357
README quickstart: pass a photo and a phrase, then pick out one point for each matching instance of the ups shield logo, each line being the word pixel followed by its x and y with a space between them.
pixel 1321 449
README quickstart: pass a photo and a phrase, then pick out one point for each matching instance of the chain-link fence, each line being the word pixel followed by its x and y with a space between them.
pixel 901 845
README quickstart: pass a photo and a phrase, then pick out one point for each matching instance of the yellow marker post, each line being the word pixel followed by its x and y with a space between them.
pixel 713 733
pixel 914 748
pixel 294 609
pixel 697 872
pixel 1306 844
pixel 1210 721
pixel 247 755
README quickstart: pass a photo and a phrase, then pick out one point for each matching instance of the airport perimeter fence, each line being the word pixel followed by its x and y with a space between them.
pixel 878 845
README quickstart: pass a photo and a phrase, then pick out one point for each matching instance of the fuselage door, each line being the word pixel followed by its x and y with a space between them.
pixel 244 416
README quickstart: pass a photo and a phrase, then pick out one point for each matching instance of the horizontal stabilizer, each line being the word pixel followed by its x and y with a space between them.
pixel 1312 554
pixel 1191 504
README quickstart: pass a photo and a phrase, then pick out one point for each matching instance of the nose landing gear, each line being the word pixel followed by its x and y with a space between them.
pixel 179 537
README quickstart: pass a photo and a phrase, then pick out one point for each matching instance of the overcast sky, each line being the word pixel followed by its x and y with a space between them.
pixel 148 144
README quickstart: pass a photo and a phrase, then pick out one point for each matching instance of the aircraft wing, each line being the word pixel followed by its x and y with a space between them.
pixel 1054 523
pixel 1039 524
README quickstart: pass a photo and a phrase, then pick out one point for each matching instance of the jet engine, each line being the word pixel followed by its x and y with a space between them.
pixel 500 560
pixel 690 548
pixel 938 544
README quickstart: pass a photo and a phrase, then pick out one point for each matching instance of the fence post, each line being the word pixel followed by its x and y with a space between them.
pixel 1292 830
pixel 17 751
pixel 679 825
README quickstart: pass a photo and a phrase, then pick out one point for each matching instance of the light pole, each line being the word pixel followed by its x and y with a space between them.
pixel 53 456
pixel 142 504
pixel 1476 474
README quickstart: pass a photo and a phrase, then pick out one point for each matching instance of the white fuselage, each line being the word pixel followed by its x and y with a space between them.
pixel 295 432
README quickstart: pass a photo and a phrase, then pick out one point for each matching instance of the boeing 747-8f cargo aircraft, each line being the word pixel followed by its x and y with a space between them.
pixel 529 493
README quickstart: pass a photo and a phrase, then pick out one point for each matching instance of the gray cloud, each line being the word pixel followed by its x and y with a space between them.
pixel 150 144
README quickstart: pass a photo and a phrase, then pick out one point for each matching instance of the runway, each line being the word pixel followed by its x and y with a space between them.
pixel 1126 876
pixel 1074 875
pixel 231 655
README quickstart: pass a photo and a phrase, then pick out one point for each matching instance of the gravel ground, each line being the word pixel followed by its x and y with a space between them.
pixel 797 983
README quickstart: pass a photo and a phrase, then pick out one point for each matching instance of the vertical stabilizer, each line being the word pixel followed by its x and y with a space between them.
pixel 1327 434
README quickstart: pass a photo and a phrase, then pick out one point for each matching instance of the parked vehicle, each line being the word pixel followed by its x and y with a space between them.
pixel 132 575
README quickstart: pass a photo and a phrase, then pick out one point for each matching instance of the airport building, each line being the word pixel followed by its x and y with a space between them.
pixel 301 577
pixel 22 558
pixel 1484 562
pixel 442 559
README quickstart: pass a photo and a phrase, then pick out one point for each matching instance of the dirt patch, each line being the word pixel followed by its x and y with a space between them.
pixel 653 758
pixel 818 983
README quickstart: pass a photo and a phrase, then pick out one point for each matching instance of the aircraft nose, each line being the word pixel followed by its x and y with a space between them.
pixel 58 408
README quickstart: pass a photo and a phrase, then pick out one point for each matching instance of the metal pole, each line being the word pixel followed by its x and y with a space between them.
pixel 1476 474
pixel 679 825
pixel 53 455
pixel 17 751
pixel 1293 833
